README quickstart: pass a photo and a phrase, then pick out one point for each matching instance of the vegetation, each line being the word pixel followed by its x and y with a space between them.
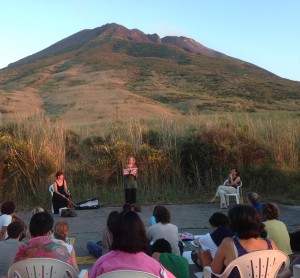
pixel 180 159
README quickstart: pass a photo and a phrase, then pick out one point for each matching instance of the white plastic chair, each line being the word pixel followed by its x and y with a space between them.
pixel 258 264
pixel 127 274
pixel 237 195
pixel 43 267
pixel 51 190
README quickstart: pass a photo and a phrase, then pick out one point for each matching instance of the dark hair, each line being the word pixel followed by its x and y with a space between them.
pixel 14 229
pixel 130 234
pixel 162 246
pixel 237 171
pixel 245 221
pixel 8 208
pixel 112 220
pixel 127 206
pixel 40 224
pixel 270 211
pixel 162 214
pixel 59 173
pixel 219 219
pixel 253 197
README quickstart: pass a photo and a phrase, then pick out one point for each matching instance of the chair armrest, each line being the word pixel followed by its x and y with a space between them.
pixel 83 274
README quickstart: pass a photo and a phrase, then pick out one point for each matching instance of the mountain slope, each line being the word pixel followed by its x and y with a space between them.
pixel 112 72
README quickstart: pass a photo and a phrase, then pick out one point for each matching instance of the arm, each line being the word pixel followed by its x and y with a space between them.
pixel 66 188
pixel 233 182
pixel 55 190
pixel 225 254
pixel 18 218
pixel 3 232
pixel 74 260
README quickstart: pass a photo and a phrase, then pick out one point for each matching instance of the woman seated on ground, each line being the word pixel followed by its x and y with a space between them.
pixel 7 216
pixel 41 245
pixel 129 249
pixel 60 235
pixel 162 252
pixel 246 223
pixel 276 229
pixel 210 242
pixel 97 249
pixel 164 229
pixel 230 186
pixel 254 200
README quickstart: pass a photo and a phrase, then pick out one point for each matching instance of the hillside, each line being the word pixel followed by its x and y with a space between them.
pixel 111 72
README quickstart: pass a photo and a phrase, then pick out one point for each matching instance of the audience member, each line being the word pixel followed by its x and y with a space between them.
pixel 9 247
pixel 98 249
pixel 7 216
pixel 164 229
pixel 254 200
pixel 129 249
pixel 246 224
pixel 210 241
pixel 295 240
pixel 152 218
pixel 162 252
pixel 276 229
pixel 41 245
pixel 230 186
pixel 60 235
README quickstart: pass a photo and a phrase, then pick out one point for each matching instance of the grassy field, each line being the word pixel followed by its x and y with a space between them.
pixel 181 158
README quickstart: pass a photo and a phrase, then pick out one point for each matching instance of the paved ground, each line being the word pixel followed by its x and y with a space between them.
pixel 88 224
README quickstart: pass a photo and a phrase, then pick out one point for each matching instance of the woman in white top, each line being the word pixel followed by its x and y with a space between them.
pixel 164 229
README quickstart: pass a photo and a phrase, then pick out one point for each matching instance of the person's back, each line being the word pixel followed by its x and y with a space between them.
pixel 41 245
pixel 162 252
pixel 9 247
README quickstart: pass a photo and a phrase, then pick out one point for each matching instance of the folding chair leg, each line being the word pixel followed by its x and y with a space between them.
pixel 237 199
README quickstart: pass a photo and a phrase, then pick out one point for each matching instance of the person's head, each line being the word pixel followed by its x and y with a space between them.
pixel 130 234
pixel 130 160
pixel 162 214
pixel 15 229
pixel 270 211
pixel 245 221
pixel 218 219
pixel 112 220
pixel 161 246
pixel 61 230
pixel 235 171
pixel 41 224
pixel 58 174
pixel 8 208
pixel 36 210
pixel 128 206
pixel 154 210
pixel 253 198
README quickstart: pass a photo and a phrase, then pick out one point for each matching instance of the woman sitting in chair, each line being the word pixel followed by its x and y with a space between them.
pixel 229 187
pixel 129 249
pixel 246 224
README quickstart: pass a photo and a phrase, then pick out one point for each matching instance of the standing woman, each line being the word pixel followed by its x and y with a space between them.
pixel 61 192
pixel 130 183
pixel 232 183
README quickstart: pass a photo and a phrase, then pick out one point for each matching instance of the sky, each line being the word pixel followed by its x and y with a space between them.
pixel 263 32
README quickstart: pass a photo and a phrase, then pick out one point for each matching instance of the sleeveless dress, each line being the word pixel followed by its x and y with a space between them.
pixel 240 251
pixel 57 200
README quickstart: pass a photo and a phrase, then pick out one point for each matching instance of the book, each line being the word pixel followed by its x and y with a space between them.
pixel 130 171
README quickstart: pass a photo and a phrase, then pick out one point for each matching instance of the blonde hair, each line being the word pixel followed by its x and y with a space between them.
pixel 61 230
pixel 36 210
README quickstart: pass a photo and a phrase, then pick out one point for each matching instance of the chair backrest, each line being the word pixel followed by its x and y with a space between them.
pixel 263 263
pixel 127 274
pixel 41 267
pixel 51 188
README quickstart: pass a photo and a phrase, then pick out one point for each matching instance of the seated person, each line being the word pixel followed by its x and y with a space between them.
pixel 9 247
pixel 210 242
pixel 60 235
pixel 41 245
pixel 164 229
pixel 128 250
pixel 7 216
pixel 295 239
pixel 276 229
pixel 232 183
pixel 246 224
pixel 97 249
pixel 162 252
pixel 254 200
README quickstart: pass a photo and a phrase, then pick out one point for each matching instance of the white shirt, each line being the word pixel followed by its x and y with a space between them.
pixel 5 220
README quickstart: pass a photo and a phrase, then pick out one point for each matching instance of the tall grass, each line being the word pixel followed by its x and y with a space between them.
pixel 177 157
